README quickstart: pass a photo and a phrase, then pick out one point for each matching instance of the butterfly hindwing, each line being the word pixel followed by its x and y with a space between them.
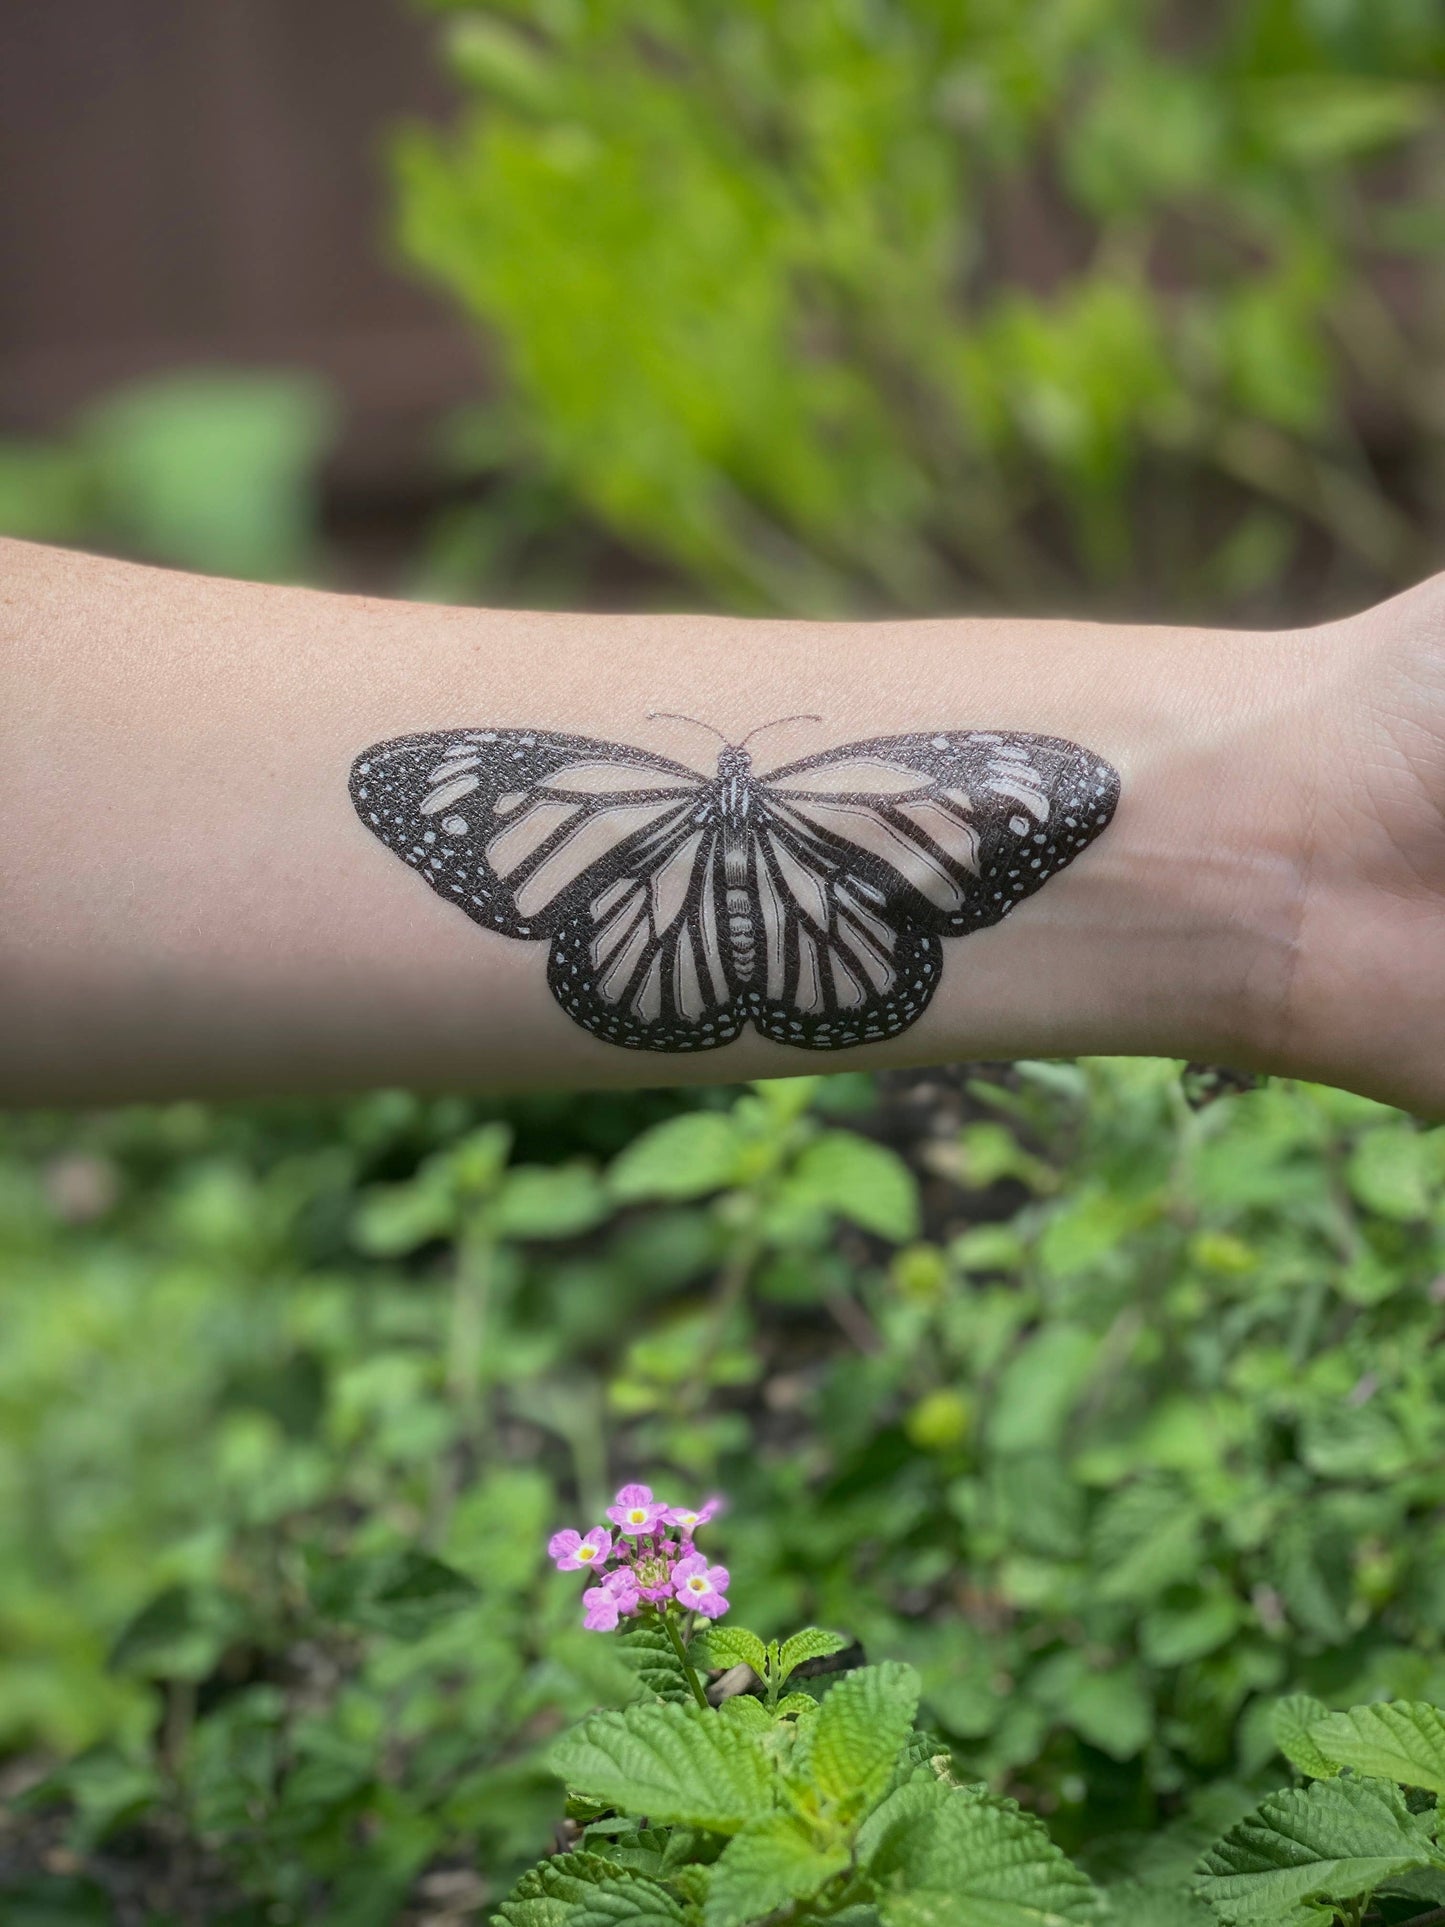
pixel 512 825
pixel 644 962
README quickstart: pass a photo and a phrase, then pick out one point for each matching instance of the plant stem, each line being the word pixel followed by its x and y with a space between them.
pixel 682 1659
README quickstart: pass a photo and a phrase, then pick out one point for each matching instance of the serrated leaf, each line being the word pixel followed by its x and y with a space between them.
pixel 966 1858
pixel 735 1646
pixel 649 1652
pixel 811 1643
pixel 1333 1840
pixel 628 1898
pixel 548 1894
pixel 770 1863
pixel 915 1800
pixel 747 1711
pixel 1400 1740
pixel 684 1157
pixel 859 1732
pixel 679 1765
pixel 1292 1723
pixel 792 1704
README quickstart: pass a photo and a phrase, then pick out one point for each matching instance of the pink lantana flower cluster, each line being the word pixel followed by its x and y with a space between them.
pixel 648 1559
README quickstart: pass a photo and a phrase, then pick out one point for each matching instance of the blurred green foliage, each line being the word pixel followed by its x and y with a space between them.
pixel 1119 1421
pixel 840 305
pixel 212 470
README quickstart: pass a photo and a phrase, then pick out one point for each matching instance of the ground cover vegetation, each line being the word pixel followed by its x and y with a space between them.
pixel 1102 1434
pixel 1116 1422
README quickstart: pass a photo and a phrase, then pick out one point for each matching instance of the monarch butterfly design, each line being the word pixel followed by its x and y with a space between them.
pixel 811 902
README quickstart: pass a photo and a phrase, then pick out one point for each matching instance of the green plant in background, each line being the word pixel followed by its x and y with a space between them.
pixel 1116 1422
pixel 837 306
pixel 209 470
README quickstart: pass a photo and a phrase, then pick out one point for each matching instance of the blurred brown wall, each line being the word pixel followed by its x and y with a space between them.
pixel 187 181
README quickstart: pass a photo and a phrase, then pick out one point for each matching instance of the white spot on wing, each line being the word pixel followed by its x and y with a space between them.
pixel 447 794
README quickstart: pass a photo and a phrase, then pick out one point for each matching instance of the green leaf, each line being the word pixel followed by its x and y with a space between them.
pixel 885 1833
pixel 860 1180
pixel 791 1705
pixel 1400 1740
pixel 393 1219
pixel 770 1863
pixel 679 1765
pixel 1393 1172
pixel 548 1894
pixel 628 1899
pixel 1333 1840
pixel 684 1157
pixel 965 1858
pixel 1112 1708
pixel 811 1643
pixel 1139 1906
pixel 648 1650
pixel 178 1635
pixel 1171 1635
pixel 402 1593
pixel 1145 1539
pixel 859 1732
pixel 748 1711
pixel 1317 118
pixel 732 1646
pixel 549 1201
pixel 1292 1724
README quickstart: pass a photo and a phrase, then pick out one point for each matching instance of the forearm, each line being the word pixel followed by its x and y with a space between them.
pixel 193 906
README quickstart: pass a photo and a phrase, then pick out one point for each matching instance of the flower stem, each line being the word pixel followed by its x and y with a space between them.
pixel 693 1681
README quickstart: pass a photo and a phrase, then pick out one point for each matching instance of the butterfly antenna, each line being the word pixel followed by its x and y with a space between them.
pixel 676 716
pixel 776 724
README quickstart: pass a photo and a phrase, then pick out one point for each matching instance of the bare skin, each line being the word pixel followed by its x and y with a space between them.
pixel 191 906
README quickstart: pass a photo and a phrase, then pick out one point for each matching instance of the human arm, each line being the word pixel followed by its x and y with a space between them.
pixel 191 904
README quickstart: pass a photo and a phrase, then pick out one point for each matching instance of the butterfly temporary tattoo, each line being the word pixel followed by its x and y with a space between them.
pixel 811 902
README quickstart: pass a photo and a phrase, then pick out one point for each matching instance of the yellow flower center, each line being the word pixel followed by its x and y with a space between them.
pixel 637 1516
pixel 586 1552
pixel 697 1585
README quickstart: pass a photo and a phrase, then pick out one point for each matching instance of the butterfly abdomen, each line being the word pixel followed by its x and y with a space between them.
pixel 736 798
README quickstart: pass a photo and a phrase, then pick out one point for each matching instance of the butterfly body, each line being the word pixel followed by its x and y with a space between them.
pixel 811 902
pixel 734 788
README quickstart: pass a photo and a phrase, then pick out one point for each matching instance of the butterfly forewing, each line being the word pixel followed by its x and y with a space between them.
pixel 952 828
pixel 514 825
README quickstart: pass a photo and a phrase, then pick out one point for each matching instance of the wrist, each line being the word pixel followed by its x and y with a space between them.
pixel 1177 932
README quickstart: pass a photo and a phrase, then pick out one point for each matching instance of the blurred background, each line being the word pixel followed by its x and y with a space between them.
pixel 1118 1414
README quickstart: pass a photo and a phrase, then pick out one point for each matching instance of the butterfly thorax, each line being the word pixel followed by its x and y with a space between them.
pixel 735 803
